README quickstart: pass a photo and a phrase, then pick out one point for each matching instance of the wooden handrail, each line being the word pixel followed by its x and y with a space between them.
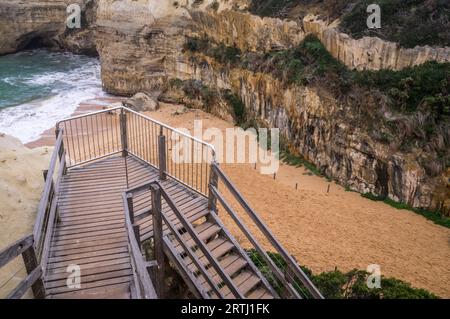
pixel 252 240
pixel 34 280
pixel 190 229
pixel 158 190
pixel 45 198
pixel 267 233
pixel 142 279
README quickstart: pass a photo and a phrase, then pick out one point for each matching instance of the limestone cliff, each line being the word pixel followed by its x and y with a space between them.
pixel 44 23
pixel 328 133
pixel 140 44
pixel 249 32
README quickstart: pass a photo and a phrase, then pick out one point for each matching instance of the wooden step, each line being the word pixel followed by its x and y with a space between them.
pixel 206 231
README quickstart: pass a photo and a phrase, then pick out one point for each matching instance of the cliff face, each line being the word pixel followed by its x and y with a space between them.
pixel 324 131
pixel 44 22
pixel 140 43
pixel 371 53
pixel 253 33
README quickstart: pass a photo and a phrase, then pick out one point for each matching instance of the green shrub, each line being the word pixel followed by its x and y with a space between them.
pixel 408 22
pixel 237 106
pixel 339 285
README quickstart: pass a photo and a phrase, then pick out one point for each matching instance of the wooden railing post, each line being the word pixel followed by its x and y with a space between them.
pixel 31 263
pixel 162 155
pixel 136 229
pixel 213 181
pixel 123 132
pixel 158 239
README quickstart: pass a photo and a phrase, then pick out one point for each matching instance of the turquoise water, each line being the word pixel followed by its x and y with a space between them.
pixel 38 88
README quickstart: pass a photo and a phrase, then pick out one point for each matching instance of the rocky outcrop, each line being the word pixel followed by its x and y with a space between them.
pixel 371 53
pixel 142 102
pixel 253 33
pixel 248 32
pixel 322 130
pixel 138 43
pixel 44 23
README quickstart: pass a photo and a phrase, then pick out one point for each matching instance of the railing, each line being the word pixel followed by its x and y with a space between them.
pixel 25 247
pixel 92 136
pixel 143 286
pixel 121 130
pixel 35 248
pixel 47 209
pixel 281 269
pixel 165 231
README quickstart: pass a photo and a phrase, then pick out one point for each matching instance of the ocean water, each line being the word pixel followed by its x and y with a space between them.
pixel 39 87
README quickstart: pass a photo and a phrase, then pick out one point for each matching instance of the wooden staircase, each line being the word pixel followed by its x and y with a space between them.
pixel 242 279
pixel 112 188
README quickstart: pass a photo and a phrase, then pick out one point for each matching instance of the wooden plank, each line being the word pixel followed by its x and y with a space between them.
pixel 91 223
pixel 202 247
pixel 193 257
pixel 90 271
pixel 43 203
pixel 94 265
pixel 292 264
pixel 158 240
pixel 82 250
pixel 90 254
pixel 31 263
pixel 138 263
pixel 111 234
pixel 83 236
pixel 96 284
pixel 214 217
pixel 87 261
pixel 187 275
pixel 87 246
pixel 62 231
pixel 90 278
pixel 114 291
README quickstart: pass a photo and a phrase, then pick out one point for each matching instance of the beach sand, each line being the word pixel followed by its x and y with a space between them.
pixel 336 229
pixel 21 183
pixel 326 230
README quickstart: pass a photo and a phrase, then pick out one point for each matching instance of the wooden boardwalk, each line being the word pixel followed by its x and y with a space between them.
pixel 112 188
pixel 91 232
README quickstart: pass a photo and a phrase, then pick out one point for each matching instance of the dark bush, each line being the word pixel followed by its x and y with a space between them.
pixel 350 285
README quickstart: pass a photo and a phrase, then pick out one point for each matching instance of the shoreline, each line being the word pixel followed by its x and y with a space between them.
pixel 47 138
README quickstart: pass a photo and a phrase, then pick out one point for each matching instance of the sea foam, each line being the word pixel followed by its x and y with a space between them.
pixel 67 88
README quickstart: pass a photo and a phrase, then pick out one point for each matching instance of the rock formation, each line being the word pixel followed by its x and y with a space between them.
pixel 140 44
pixel 142 102
pixel 31 22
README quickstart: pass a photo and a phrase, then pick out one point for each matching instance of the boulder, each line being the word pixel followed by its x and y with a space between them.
pixel 142 102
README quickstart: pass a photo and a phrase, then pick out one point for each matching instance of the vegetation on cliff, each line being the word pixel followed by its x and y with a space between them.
pixel 292 9
pixel 407 22
pixel 417 98
pixel 196 91
pixel 345 285
pixel 407 110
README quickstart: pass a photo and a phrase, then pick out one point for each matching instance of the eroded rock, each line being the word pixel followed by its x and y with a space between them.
pixel 142 102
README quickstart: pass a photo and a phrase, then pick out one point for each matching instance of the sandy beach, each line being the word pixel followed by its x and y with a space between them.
pixel 325 230
pixel 336 229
